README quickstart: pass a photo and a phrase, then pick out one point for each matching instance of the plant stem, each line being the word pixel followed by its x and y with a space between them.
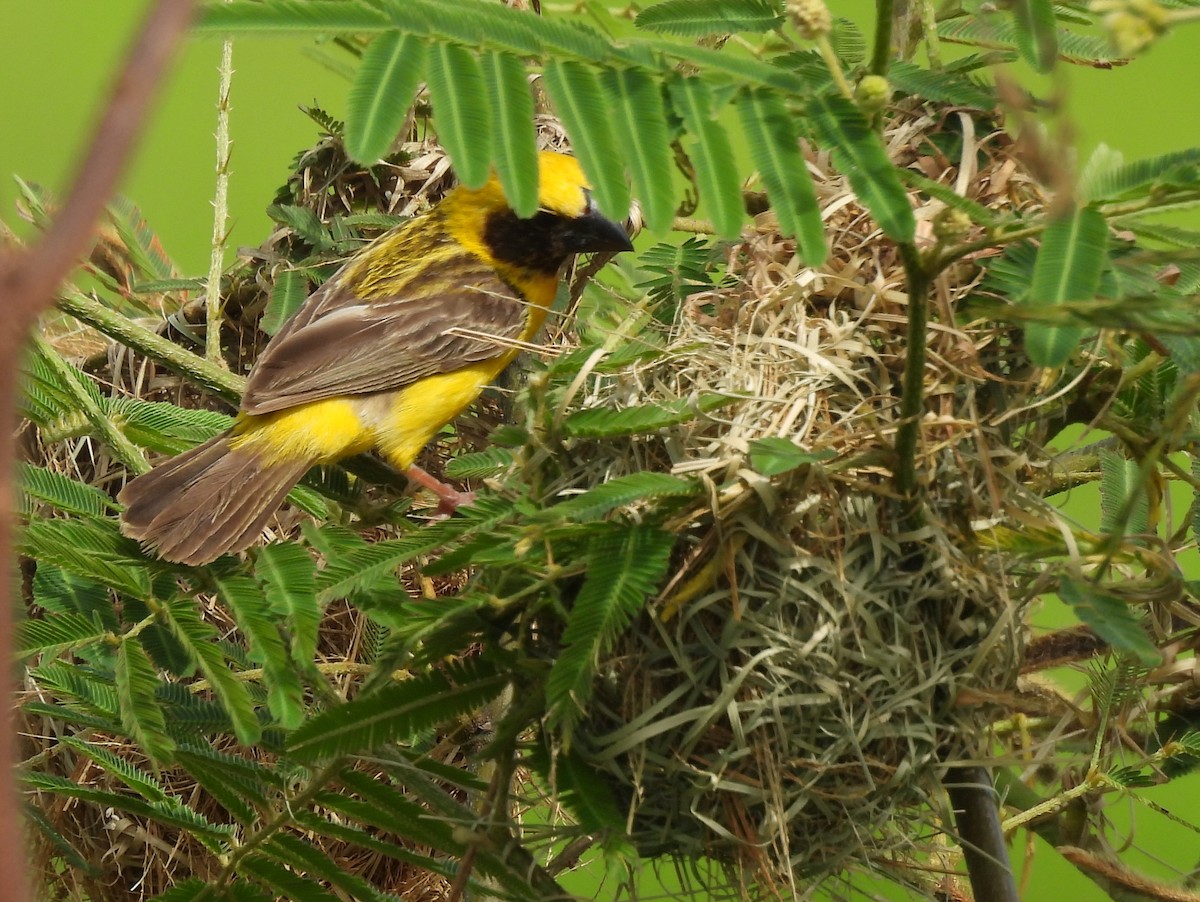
pixel 881 56
pixel 220 233
pixel 977 819
pixel 929 27
pixel 123 449
pixel 1017 232
pixel 834 66
pixel 696 226
pixel 1115 882
pixel 912 396
pixel 215 378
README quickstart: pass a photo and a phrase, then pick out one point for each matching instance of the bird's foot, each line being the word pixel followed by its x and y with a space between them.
pixel 450 499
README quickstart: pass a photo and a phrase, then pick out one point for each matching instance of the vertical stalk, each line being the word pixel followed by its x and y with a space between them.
pixel 912 392
pixel 976 814
pixel 220 233
pixel 977 820
pixel 881 55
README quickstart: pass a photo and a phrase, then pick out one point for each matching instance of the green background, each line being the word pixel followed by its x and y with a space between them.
pixel 59 64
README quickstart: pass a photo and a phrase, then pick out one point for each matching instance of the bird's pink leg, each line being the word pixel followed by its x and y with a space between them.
pixel 450 499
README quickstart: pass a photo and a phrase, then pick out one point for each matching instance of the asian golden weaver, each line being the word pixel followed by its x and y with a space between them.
pixel 391 348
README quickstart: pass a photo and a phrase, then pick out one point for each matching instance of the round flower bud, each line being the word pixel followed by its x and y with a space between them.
pixel 951 224
pixel 872 94
pixel 1132 25
pixel 811 18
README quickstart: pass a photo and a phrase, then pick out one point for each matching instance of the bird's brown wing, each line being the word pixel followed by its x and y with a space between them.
pixel 338 344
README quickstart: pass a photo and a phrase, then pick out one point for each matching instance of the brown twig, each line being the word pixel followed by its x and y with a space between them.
pixel 27 283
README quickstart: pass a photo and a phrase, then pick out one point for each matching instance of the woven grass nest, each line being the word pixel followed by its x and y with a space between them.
pixel 793 716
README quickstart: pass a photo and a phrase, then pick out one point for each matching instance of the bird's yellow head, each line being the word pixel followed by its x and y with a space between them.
pixel 562 186
pixel 567 221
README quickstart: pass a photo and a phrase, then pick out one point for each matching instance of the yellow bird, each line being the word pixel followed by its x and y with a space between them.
pixel 391 348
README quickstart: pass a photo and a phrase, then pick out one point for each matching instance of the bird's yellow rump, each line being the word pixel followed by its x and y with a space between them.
pixel 391 348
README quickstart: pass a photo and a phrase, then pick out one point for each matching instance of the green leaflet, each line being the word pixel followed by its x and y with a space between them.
pixel 288 293
pixel 1068 268
pixel 346 831
pixel 382 93
pixel 640 119
pixel 305 223
pixel 217 783
pixel 141 782
pixel 736 70
pixel 579 99
pixel 696 18
pixel 304 855
pixel 1036 35
pixel 163 426
pixel 995 31
pixel 92 549
pixel 382 805
pixel 773 136
pixel 515 139
pixel 348 571
pixel 579 787
pixel 140 241
pixel 1124 507
pixel 285 695
pixel 200 640
pixel 84 689
pixel 1107 176
pixel 849 43
pixel 1110 617
pixel 290 16
pixel 287 574
pixel 141 714
pixel 170 812
pixel 473 23
pixel 60 592
pixel 941 85
pixel 979 214
pixel 288 884
pixel 860 154
pixel 65 851
pixel 480 464
pixel 774 455
pixel 397 712
pixel 677 269
pixel 460 110
pixel 623 569
pixel 54 385
pixel 196 890
pixel 619 492
pixel 720 185
pixel 601 422
pixel 59 633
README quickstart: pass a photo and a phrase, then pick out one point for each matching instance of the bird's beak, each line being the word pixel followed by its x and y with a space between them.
pixel 592 232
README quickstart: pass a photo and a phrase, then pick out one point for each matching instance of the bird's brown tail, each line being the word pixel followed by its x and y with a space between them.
pixel 206 502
